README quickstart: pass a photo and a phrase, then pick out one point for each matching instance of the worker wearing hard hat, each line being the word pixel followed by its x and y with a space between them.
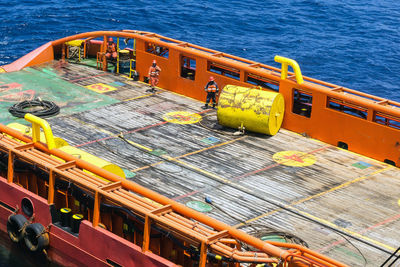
pixel 212 90
pixel 154 72
pixel 111 53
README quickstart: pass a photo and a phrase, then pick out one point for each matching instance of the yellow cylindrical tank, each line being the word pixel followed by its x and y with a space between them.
pixel 59 142
pixel 257 110
pixel 101 163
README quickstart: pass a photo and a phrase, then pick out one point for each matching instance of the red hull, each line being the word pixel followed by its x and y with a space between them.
pixel 93 247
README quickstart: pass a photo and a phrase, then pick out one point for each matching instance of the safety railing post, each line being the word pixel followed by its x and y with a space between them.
pixel 203 255
pixel 10 171
pixel 50 196
pixel 96 209
pixel 146 234
pixel 104 49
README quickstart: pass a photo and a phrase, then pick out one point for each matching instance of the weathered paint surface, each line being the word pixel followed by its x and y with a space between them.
pixel 49 83
pixel 257 110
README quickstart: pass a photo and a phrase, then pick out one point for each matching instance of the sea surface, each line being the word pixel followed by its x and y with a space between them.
pixel 353 43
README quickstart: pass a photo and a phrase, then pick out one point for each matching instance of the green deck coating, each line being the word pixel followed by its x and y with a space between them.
pixel 44 82
pixel 276 238
pixel 361 165
pixel 92 62
pixel 199 206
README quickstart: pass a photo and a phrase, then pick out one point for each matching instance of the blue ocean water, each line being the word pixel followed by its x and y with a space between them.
pixel 352 43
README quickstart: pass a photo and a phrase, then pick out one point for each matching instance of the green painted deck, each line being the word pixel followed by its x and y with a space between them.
pixel 341 204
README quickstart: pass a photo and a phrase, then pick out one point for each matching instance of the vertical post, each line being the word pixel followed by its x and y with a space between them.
pixel 284 71
pixel 35 132
pixel 96 209
pixel 10 172
pixel 203 255
pixel 117 54
pixel 50 197
pixel 105 51
pixel 146 234
pixel 84 49
pixel 63 53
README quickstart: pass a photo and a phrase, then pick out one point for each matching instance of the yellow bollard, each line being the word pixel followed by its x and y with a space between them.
pixel 289 62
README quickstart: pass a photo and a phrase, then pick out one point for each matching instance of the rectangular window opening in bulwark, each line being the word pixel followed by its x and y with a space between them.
pixel 348 108
pixel 262 81
pixel 188 67
pixel 302 103
pixel 388 120
pixel 157 50
pixel 224 70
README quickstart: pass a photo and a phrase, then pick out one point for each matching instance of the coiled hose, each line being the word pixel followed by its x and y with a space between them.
pixel 48 108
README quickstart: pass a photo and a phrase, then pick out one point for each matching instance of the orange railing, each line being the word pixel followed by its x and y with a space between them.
pixel 374 135
pixel 191 226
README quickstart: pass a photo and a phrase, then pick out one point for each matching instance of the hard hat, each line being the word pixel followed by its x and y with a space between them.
pixel 154 61
pixel 110 39
pixel 211 78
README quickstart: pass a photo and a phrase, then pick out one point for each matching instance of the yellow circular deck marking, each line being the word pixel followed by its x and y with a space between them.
pixel 182 117
pixel 294 158
pixel 398 202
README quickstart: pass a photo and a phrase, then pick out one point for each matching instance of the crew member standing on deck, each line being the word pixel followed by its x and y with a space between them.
pixel 154 72
pixel 212 90
pixel 112 53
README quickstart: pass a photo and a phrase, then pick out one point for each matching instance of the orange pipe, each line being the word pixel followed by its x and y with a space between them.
pixel 266 247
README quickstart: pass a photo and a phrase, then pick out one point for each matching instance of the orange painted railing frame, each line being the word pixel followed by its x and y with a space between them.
pixel 266 247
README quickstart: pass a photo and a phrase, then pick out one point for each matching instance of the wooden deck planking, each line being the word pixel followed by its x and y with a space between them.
pixel 245 184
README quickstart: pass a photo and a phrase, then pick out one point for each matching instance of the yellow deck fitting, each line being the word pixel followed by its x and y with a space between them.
pixel 254 109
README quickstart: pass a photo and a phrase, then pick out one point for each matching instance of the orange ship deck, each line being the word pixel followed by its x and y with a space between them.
pixel 341 204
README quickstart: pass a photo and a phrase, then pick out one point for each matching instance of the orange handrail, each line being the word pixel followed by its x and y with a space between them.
pixel 266 247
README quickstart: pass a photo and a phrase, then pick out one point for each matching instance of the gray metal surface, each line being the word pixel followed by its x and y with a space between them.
pixel 344 205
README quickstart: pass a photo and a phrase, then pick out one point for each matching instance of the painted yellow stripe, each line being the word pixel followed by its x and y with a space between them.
pixel 209 174
pixel 138 145
pixel 92 126
pixel 325 221
pixel 316 195
pixel 345 230
pixel 142 96
pixel 359 179
pixel 168 158
pixel 190 153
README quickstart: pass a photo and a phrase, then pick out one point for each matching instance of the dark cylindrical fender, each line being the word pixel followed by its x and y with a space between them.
pixel 36 237
pixel 15 227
